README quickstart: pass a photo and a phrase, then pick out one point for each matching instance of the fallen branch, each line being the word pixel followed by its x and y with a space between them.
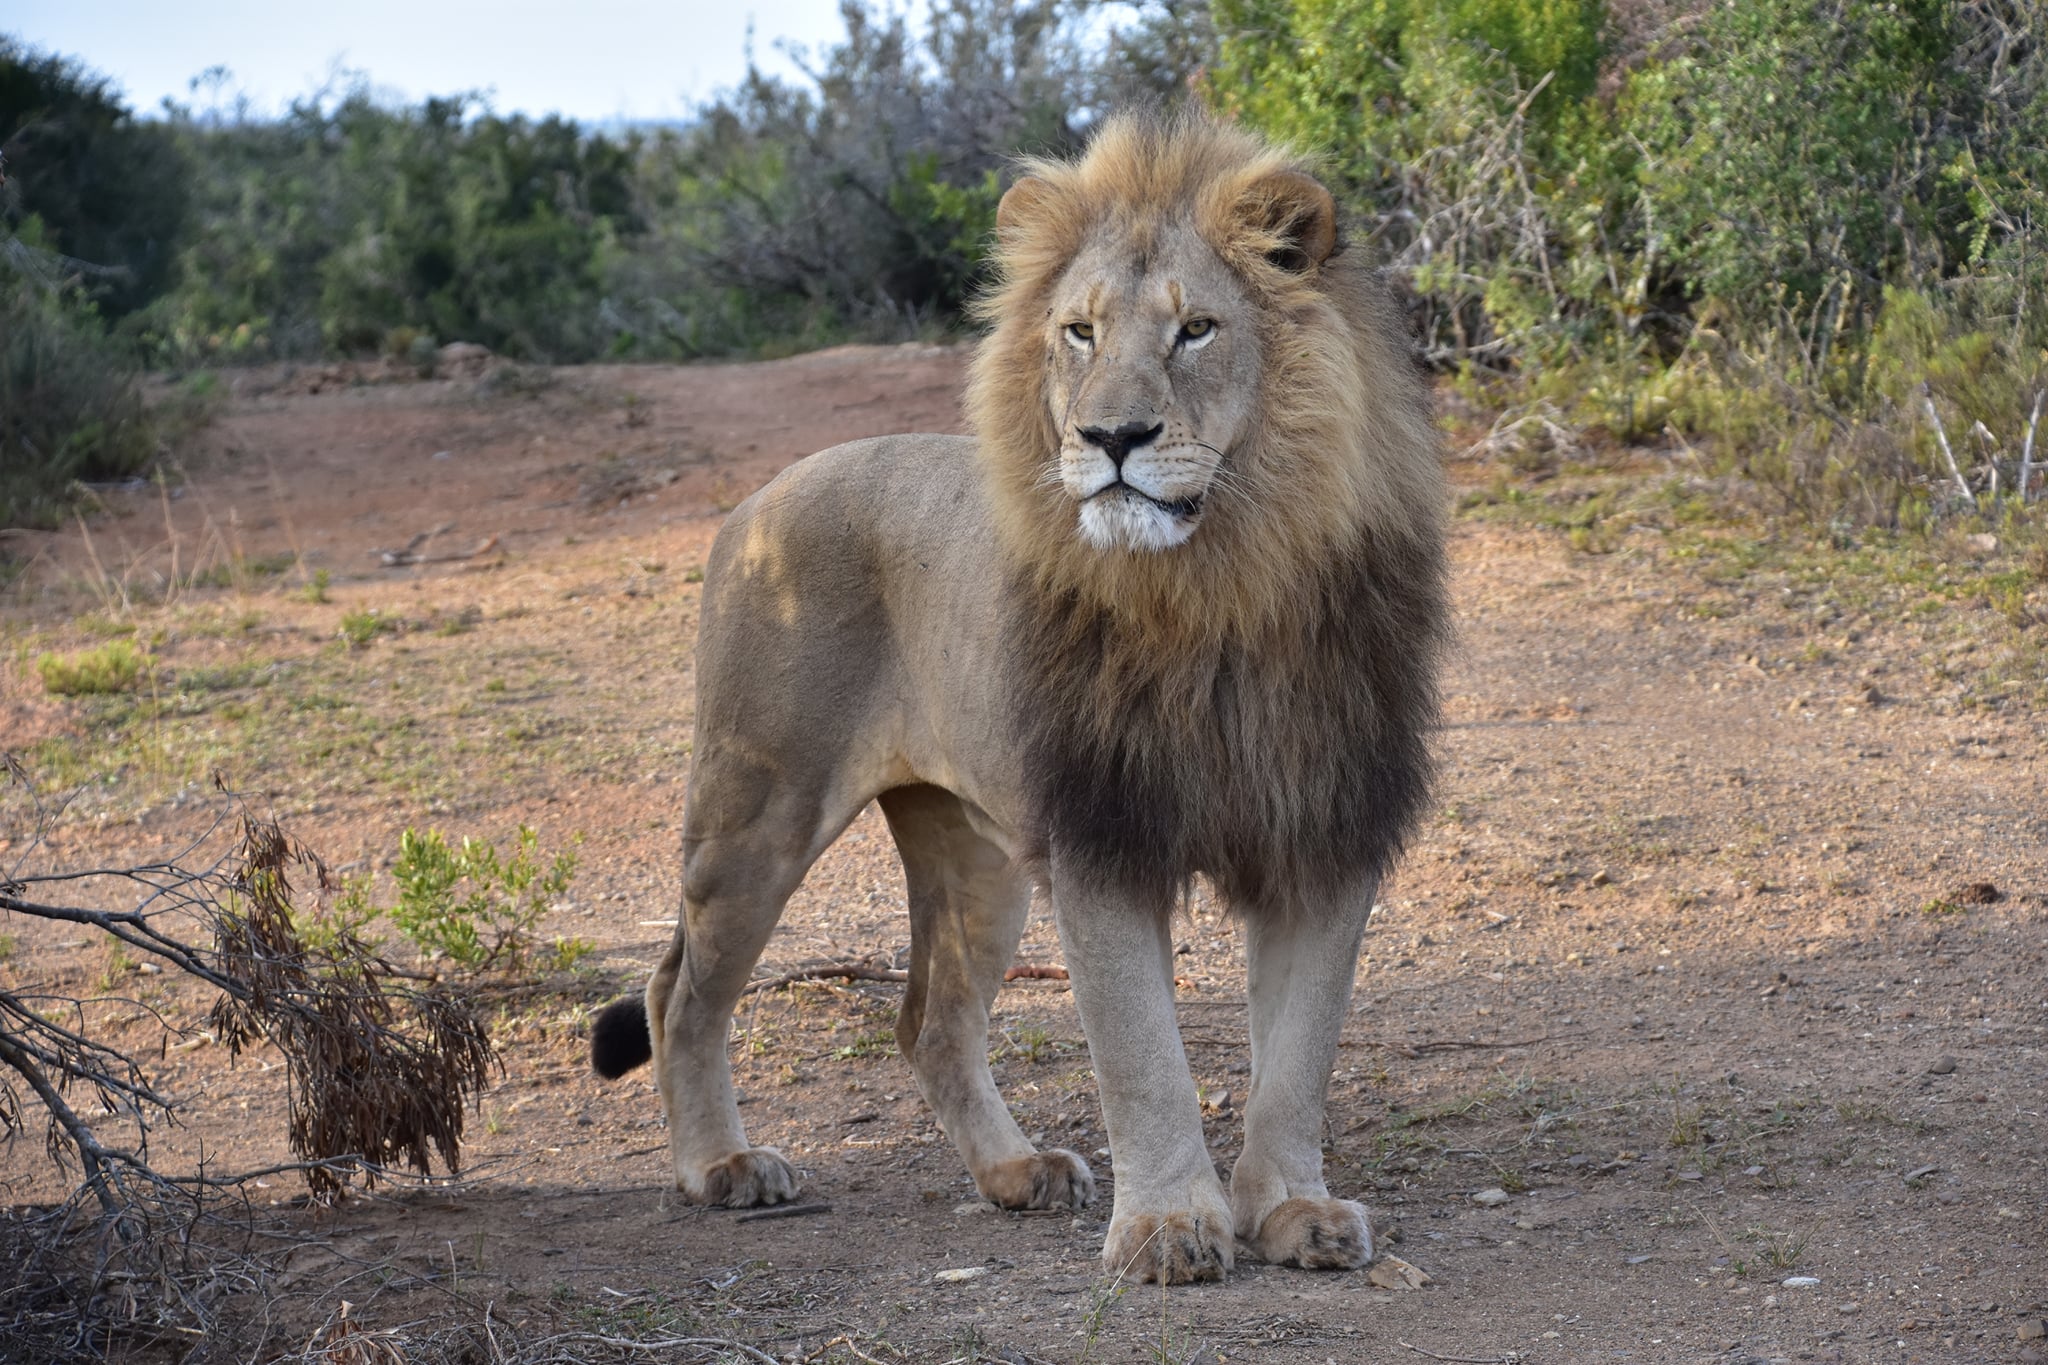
pixel 410 553
pixel 1451 1044
pixel 832 971
pixel 867 971
pixel 1505 1358
pixel 783 1211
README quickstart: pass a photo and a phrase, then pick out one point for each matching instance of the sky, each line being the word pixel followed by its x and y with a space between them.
pixel 594 60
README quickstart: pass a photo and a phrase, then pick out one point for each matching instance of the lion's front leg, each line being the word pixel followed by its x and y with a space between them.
pixel 1301 964
pixel 1171 1221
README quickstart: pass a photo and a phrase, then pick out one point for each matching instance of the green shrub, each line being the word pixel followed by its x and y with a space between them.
pixel 70 409
pixel 472 905
pixel 107 190
pixel 358 628
pixel 116 666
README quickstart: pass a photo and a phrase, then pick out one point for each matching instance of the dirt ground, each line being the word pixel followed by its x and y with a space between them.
pixel 1724 962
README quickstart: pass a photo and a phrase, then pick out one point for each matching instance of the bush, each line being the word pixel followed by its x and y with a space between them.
pixel 1767 223
pixel 69 406
pixel 109 192
pixel 788 216
pixel 350 226
pixel 470 904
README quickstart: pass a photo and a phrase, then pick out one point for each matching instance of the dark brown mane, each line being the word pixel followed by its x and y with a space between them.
pixel 1281 769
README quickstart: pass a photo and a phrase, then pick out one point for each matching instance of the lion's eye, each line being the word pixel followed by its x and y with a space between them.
pixel 1197 332
pixel 1081 333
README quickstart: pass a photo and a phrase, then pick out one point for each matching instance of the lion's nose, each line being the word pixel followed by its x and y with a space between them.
pixel 1119 443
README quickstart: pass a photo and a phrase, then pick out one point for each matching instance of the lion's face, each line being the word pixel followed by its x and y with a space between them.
pixel 1154 366
pixel 1191 402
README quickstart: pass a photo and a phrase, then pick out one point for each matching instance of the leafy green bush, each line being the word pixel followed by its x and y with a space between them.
pixel 108 190
pixel 469 904
pixel 856 207
pixel 69 406
pixel 1768 224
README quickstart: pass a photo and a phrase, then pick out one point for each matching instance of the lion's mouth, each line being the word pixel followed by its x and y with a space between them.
pixel 1183 509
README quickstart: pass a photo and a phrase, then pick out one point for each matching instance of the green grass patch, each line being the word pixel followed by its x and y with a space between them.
pixel 116 666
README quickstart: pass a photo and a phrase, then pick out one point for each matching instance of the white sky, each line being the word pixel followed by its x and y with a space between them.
pixel 590 59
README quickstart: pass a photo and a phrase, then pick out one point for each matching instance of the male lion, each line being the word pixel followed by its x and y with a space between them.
pixel 1175 610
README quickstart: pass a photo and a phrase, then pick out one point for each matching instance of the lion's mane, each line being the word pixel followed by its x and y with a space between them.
pixel 1254 705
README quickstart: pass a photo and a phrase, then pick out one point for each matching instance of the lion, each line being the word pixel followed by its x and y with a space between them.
pixel 1174 611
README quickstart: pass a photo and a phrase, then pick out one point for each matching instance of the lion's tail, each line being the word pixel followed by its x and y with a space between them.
pixel 619 1039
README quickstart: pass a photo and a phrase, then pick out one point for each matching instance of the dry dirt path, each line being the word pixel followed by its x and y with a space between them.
pixel 1688 968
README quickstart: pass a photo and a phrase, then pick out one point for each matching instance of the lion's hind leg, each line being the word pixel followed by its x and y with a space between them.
pixel 737 876
pixel 967 911
pixel 1301 961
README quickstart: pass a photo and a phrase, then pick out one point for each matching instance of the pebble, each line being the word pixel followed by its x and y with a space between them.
pixel 973 1208
pixel 1845 1309
pixel 1487 1199
pixel 1801 1281
pixel 2033 1329
pixel 962 1275
pixel 1942 1066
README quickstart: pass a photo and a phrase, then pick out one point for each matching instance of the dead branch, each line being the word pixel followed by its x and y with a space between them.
pixel 379 1074
pixel 2027 450
pixel 783 1211
pixel 868 971
pixel 410 553
pixel 1941 436
pixel 1505 1358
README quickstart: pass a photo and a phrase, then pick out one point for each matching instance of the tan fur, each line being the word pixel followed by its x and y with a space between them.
pixel 1227 672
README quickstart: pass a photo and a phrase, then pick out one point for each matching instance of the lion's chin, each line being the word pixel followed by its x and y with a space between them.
pixel 1125 519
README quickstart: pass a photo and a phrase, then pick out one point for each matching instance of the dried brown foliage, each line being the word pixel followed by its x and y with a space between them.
pixel 380 1073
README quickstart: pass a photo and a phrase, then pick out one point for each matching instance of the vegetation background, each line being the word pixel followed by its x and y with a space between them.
pixel 1800 238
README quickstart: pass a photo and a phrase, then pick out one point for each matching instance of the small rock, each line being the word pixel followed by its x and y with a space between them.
pixel 2033 1329
pixel 1941 1066
pixel 1600 878
pixel 1634 1260
pixel 1919 1173
pixel 2004 1212
pixel 1752 1170
pixel 1493 1198
pixel 1849 1308
pixel 1980 893
pixel 962 1275
pixel 1983 542
pixel 1391 1272
pixel 1801 1281
pixel 973 1208
pixel 1690 1176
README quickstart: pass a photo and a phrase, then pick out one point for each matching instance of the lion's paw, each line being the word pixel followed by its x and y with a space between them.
pixel 1316 1234
pixel 1169 1248
pixel 1052 1179
pixel 758 1175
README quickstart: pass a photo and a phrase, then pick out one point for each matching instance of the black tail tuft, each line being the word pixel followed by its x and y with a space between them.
pixel 618 1038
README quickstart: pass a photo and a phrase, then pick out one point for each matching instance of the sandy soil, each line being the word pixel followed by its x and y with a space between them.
pixel 1725 960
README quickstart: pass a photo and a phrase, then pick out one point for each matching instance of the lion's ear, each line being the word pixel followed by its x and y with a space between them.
pixel 1296 209
pixel 1020 204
